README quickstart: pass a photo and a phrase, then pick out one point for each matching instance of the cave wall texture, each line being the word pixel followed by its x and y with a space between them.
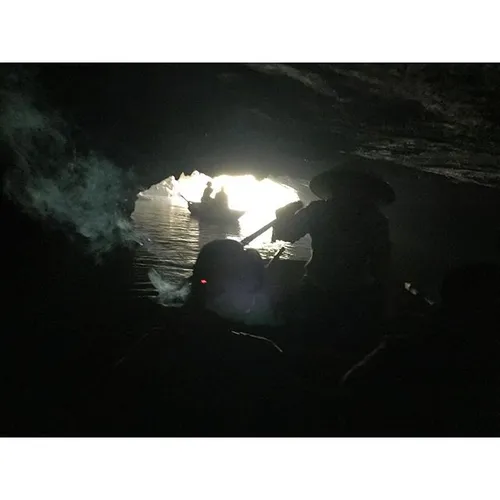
pixel 169 118
pixel 80 140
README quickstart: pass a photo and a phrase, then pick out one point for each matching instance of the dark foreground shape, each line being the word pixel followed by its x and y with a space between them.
pixel 207 212
pixel 441 381
pixel 80 357
pixel 65 320
pixel 199 380
pixel 351 177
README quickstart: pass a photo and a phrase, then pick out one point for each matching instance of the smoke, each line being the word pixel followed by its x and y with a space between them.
pixel 82 193
pixel 169 294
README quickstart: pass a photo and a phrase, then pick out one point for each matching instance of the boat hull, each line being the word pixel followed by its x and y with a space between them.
pixel 206 213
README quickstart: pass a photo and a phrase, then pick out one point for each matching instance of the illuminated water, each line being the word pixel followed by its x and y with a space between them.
pixel 176 239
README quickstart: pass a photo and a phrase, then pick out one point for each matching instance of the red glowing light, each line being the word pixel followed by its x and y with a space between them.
pixel 203 282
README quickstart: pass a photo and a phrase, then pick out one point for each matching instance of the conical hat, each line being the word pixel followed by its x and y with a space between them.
pixel 347 179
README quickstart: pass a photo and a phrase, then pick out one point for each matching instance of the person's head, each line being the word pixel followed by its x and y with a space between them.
pixel 225 276
pixel 209 184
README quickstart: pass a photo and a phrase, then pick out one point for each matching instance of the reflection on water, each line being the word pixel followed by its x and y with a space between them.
pixel 176 239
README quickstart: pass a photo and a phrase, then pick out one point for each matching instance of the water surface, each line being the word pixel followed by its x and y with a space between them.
pixel 176 238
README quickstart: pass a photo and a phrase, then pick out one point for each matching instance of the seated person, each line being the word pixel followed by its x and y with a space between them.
pixel 206 198
pixel 221 199
pixel 349 238
pixel 229 281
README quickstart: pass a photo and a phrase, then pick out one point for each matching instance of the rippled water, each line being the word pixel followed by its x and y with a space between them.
pixel 176 239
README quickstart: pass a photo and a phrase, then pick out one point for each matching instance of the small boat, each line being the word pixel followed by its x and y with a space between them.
pixel 209 213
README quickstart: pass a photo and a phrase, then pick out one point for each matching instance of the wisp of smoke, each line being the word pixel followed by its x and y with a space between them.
pixel 168 294
pixel 83 193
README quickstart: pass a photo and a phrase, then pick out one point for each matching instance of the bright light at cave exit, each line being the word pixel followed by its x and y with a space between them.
pixel 259 199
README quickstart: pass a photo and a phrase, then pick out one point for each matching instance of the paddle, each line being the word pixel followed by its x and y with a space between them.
pixel 283 211
pixel 276 256
pixel 256 234
pixel 185 199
